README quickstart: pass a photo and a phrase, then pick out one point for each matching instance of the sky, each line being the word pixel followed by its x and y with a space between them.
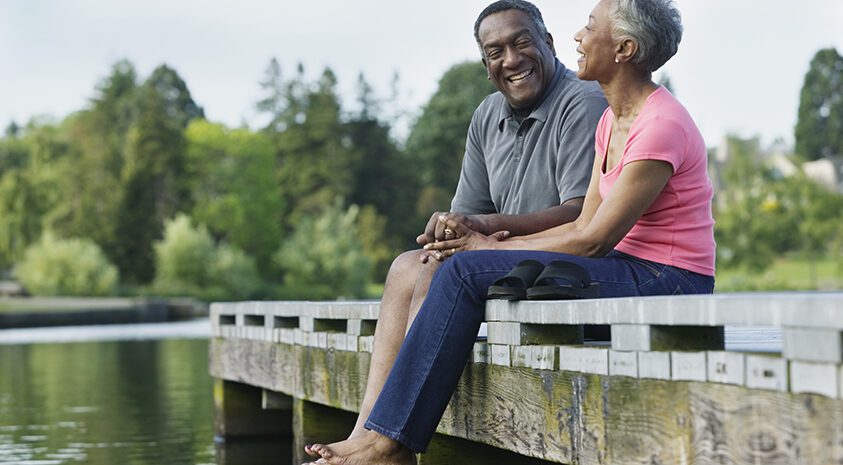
pixel 739 69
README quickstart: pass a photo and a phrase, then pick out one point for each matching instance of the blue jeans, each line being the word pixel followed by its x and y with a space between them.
pixel 433 356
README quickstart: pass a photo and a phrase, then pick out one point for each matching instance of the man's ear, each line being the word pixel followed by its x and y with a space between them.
pixel 488 76
pixel 549 42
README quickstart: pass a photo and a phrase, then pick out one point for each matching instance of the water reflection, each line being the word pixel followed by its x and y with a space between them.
pixel 131 402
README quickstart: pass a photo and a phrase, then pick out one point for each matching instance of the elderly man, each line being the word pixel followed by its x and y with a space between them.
pixel 527 164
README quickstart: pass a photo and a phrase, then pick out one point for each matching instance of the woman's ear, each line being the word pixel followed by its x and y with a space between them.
pixel 625 50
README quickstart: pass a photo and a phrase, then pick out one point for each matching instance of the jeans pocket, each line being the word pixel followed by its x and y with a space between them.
pixel 656 269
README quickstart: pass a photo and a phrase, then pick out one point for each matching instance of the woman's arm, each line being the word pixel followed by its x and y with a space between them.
pixel 602 224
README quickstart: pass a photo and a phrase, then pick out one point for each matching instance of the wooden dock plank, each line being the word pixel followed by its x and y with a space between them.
pixel 567 417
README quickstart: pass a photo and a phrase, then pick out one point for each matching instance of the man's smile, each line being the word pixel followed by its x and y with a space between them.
pixel 516 78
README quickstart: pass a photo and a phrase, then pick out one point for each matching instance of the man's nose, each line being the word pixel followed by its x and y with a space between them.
pixel 512 57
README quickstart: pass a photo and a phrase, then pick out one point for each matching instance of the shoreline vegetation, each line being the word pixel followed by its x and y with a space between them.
pixel 139 194
pixel 26 312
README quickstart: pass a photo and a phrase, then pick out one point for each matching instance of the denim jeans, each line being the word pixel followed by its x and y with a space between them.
pixel 436 349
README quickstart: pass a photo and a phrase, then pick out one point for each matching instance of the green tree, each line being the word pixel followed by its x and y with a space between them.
pixel 55 266
pixel 178 103
pixel 91 182
pixel 751 213
pixel 818 215
pixel 28 186
pixel 324 257
pixel 233 188
pixel 20 221
pixel 383 177
pixel 315 156
pixel 188 262
pixel 437 140
pixel 819 128
pixel 154 188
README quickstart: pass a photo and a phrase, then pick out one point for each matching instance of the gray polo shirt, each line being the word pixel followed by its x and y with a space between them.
pixel 543 162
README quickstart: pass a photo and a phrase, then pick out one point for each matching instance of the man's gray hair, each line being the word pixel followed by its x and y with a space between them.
pixel 655 25
pixel 502 5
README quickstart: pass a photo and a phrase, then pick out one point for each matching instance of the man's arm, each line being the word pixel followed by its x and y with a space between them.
pixel 528 223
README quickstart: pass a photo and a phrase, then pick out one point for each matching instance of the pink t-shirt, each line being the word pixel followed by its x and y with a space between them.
pixel 678 228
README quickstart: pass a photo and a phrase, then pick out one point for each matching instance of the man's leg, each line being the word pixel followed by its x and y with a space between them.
pixel 403 275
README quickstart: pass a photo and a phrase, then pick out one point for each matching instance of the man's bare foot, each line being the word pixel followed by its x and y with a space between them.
pixel 369 448
pixel 359 430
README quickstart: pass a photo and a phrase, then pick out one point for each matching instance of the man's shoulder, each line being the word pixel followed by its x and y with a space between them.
pixel 491 105
pixel 573 88
pixel 489 110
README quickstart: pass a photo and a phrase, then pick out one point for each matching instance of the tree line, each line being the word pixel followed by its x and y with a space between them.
pixel 313 205
pixel 139 193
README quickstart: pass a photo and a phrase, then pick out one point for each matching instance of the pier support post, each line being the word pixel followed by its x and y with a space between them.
pixel 318 423
pixel 252 426
pixel 239 412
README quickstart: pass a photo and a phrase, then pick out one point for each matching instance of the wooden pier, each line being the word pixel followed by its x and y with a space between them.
pixel 664 390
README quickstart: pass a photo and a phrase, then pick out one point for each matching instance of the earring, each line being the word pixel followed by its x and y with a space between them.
pixel 617 61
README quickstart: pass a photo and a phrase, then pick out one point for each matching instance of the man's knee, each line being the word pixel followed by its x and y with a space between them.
pixel 407 264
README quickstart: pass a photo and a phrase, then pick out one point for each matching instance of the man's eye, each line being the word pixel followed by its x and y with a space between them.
pixel 493 55
pixel 522 44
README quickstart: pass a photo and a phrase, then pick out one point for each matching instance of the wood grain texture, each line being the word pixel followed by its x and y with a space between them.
pixel 566 417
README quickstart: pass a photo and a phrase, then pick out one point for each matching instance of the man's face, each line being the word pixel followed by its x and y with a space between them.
pixel 519 62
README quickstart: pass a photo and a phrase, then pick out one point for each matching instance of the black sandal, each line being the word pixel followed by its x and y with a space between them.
pixel 579 284
pixel 513 285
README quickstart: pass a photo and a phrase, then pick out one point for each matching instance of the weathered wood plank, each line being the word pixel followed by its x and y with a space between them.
pixel 787 309
pixel 567 417
pixel 448 450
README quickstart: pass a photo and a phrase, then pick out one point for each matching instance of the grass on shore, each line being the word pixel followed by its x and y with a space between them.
pixel 786 274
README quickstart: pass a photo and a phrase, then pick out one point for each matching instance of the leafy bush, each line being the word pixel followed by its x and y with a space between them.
pixel 77 267
pixel 324 257
pixel 233 274
pixel 188 263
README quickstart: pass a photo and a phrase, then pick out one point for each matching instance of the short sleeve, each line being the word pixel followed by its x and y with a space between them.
pixel 576 146
pixel 473 196
pixel 657 139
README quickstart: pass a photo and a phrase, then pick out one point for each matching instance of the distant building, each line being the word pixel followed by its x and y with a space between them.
pixel 826 171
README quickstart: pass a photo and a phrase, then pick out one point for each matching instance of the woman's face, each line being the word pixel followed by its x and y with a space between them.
pixel 596 46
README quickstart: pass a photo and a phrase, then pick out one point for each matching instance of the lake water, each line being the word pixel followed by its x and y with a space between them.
pixel 138 394
pixel 141 401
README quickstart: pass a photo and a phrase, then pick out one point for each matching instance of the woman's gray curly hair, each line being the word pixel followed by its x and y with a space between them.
pixel 655 25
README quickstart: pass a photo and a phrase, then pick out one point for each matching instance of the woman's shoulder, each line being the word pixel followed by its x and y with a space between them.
pixel 664 112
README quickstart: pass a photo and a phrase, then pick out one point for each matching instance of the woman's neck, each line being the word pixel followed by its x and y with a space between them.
pixel 627 94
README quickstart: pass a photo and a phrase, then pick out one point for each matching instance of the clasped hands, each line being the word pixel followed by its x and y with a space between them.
pixel 448 233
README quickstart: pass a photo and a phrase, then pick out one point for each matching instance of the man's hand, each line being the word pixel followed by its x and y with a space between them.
pixel 436 230
pixel 464 238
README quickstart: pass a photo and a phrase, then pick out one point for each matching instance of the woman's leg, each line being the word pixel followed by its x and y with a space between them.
pixel 433 356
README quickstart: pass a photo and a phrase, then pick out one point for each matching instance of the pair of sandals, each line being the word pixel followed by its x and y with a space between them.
pixel 558 280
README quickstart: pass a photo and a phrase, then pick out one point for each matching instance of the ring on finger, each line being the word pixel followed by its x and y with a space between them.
pixel 453 251
pixel 449 231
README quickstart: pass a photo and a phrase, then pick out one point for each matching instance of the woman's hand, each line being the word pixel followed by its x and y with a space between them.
pixel 466 239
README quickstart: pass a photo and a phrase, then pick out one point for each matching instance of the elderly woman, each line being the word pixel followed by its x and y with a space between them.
pixel 645 229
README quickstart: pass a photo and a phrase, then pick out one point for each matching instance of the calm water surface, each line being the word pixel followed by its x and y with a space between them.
pixel 106 403
pixel 137 394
